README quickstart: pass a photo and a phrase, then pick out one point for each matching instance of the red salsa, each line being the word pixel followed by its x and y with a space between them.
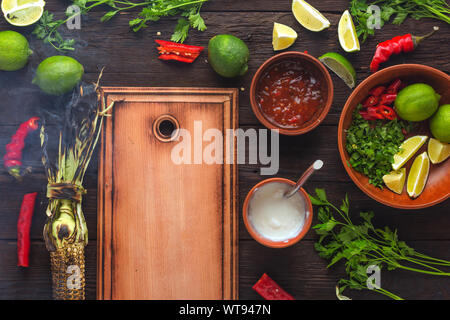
pixel 289 94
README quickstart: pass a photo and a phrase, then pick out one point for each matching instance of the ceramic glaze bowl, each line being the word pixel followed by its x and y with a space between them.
pixel 319 71
pixel 437 188
pixel 268 242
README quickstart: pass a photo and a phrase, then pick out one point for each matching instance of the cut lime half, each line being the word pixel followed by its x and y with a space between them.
pixel 340 66
pixel 22 13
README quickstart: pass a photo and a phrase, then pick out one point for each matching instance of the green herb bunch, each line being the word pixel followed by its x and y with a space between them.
pixel 152 10
pixel 372 145
pixel 362 245
pixel 398 10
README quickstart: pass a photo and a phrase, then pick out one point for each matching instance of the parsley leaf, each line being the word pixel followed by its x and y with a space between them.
pixel 359 246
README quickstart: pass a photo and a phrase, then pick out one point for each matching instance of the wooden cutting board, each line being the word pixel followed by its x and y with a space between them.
pixel 166 230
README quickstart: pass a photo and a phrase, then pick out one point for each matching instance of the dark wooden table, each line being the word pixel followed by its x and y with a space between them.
pixel 130 60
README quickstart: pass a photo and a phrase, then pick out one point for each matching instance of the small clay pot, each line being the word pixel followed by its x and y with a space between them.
pixel 327 91
pixel 278 244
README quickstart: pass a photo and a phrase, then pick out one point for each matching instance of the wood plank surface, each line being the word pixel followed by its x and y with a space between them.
pixel 130 60
pixel 162 234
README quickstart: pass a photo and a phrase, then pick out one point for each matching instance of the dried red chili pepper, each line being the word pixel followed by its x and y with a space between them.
pixel 13 157
pixel 377 91
pixel 179 52
pixel 396 45
pixel 270 290
pixel 388 98
pixel 23 229
pixel 388 112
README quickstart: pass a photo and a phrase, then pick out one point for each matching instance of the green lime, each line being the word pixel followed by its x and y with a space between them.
pixel 58 74
pixel 340 66
pixel 228 55
pixel 14 51
pixel 440 124
pixel 417 102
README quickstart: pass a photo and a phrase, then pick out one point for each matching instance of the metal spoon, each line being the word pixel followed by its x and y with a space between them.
pixel 315 166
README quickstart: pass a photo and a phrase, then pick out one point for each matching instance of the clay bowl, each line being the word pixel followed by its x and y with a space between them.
pixel 314 66
pixel 277 244
pixel 437 188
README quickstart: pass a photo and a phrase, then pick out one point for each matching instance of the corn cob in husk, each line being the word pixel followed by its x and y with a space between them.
pixel 65 232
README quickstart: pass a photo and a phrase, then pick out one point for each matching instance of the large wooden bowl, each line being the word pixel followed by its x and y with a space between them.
pixel 437 188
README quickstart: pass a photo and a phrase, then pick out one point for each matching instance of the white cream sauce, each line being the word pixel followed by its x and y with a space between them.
pixel 274 216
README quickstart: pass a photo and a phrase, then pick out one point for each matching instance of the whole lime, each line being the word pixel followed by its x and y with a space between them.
pixel 14 51
pixel 417 102
pixel 58 75
pixel 440 124
pixel 228 55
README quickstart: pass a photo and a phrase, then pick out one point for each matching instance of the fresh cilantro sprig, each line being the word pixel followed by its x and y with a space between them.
pixel 398 11
pixel 47 30
pixel 152 10
pixel 371 145
pixel 362 245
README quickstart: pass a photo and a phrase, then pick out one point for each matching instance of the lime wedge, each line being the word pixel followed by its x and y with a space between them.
pixel 283 36
pixel 407 149
pixel 340 66
pixel 308 16
pixel 418 175
pixel 438 151
pixel 395 180
pixel 347 33
pixel 22 13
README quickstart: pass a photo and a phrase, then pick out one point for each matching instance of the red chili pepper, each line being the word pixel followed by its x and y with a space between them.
pixel 377 91
pixel 23 229
pixel 388 112
pixel 366 115
pixel 12 160
pixel 375 112
pixel 394 87
pixel 176 51
pixel 396 45
pixel 388 98
pixel 370 102
pixel 270 290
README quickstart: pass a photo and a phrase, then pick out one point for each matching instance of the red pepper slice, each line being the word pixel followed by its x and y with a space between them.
pixel 387 112
pixel 179 52
pixel 388 98
pixel 375 112
pixel 377 91
pixel 270 290
pixel 394 86
pixel 23 229
pixel 370 102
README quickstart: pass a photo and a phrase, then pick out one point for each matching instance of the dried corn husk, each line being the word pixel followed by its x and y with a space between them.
pixel 65 232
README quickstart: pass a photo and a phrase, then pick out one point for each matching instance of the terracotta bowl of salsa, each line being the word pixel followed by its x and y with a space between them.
pixel 291 92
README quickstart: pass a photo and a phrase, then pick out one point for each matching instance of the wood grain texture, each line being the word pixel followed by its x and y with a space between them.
pixel 166 230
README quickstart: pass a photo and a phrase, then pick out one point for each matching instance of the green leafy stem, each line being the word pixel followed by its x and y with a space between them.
pixel 363 245
pixel 152 10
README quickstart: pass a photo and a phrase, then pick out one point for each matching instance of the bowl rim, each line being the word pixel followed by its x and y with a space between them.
pixel 343 152
pixel 329 88
pixel 267 242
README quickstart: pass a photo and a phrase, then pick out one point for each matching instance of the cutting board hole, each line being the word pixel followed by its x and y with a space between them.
pixel 164 128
